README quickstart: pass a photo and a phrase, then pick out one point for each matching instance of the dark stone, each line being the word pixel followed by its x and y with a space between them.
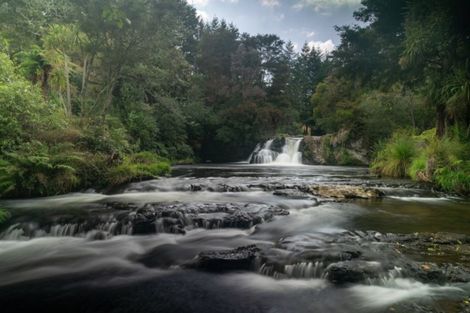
pixel 352 271
pixel 241 258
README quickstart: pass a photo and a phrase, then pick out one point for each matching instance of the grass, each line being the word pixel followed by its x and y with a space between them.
pixel 138 167
pixel 395 157
pixel 442 161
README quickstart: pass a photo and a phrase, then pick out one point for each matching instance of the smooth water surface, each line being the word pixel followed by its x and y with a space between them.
pixel 50 262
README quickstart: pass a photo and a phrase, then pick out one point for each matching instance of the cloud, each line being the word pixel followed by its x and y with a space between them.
pixel 203 15
pixel 324 46
pixel 322 5
pixel 200 3
pixel 270 3
pixel 280 17
pixel 308 34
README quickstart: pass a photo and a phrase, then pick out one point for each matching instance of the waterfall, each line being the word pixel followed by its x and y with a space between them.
pixel 264 154
pixel 290 154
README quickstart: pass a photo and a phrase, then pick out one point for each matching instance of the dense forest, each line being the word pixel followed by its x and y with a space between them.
pixel 96 93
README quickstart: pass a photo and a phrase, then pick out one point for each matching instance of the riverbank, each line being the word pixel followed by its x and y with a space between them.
pixel 444 162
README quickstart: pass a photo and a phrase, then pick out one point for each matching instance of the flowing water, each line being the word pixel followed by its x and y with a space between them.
pixel 288 156
pixel 94 252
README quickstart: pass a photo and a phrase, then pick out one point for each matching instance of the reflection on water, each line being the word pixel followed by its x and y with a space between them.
pixel 413 214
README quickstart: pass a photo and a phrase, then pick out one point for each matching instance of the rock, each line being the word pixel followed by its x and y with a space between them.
pixel 344 192
pixel 293 194
pixel 241 258
pixel 333 149
pixel 352 271
pixel 425 272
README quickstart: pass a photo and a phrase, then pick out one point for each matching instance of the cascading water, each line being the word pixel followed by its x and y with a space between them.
pixel 290 154
pixel 264 154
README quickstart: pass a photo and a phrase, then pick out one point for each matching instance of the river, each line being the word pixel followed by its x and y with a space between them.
pixel 170 245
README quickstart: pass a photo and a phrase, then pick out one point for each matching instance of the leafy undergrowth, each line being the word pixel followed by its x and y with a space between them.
pixel 39 170
pixel 442 161
pixel 4 216
pixel 137 167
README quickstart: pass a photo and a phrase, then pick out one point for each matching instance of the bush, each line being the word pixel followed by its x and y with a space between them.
pixel 4 216
pixel 394 159
pixel 418 169
pixel 442 161
pixel 455 178
pixel 37 170
pixel 137 167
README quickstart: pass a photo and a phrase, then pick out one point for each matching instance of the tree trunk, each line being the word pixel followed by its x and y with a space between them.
pixel 45 80
pixel 84 76
pixel 441 120
pixel 67 81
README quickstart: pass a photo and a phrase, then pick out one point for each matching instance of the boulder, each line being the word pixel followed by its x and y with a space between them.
pixel 352 271
pixel 241 258
pixel 344 192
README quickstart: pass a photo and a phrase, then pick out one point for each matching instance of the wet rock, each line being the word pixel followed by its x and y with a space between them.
pixel 425 272
pixel 433 273
pixel 352 271
pixel 98 235
pixel 293 194
pixel 344 192
pixel 241 258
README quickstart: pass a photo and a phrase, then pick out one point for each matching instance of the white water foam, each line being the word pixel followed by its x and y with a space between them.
pixel 290 155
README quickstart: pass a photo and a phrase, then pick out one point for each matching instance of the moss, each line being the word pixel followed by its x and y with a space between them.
pixel 346 158
pixel 327 150
pixel 138 167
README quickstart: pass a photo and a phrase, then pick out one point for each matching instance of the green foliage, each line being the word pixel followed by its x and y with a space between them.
pixel 37 170
pixel 345 157
pixel 4 216
pixel 418 169
pixel 454 178
pixel 137 167
pixel 395 157
pixel 23 111
pixel 442 161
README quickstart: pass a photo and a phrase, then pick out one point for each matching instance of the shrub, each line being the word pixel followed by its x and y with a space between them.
pixel 442 161
pixel 418 169
pixel 137 167
pixel 455 178
pixel 4 216
pixel 395 157
pixel 37 170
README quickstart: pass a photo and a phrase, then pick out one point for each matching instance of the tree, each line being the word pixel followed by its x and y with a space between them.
pixel 436 48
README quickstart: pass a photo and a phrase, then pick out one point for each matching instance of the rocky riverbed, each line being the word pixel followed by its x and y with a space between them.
pixel 240 238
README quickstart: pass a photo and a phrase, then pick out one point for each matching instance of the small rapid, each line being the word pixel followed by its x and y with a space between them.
pixel 238 238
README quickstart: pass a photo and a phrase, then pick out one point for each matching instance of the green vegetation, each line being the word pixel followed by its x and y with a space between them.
pixel 396 157
pixel 402 73
pixel 86 86
pixel 139 166
pixel 443 161
pixel 4 216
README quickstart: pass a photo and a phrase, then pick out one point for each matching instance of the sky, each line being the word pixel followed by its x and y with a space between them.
pixel 299 21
